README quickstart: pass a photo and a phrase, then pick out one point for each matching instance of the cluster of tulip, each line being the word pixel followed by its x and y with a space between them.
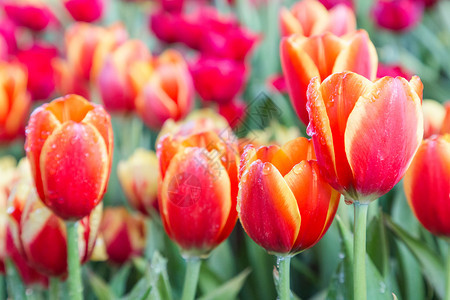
pixel 367 124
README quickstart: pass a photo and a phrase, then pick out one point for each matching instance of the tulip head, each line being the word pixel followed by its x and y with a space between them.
pixel 124 234
pixel 138 176
pixel 85 10
pixel 35 15
pixel 393 70
pixel 165 89
pixel 365 133
pixel 310 17
pixel 284 204
pixel 427 184
pixel 198 166
pixel 14 100
pixel 320 56
pixel 69 144
pixel 397 15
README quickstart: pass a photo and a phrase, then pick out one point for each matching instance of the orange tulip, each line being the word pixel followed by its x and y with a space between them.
pixel 14 100
pixel 320 56
pixel 427 184
pixel 124 234
pixel 310 17
pixel 165 89
pixel 365 133
pixel 138 176
pixel 198 166
pixel 284 204
pixel 114 81
pixel 433 118
pixel 69 144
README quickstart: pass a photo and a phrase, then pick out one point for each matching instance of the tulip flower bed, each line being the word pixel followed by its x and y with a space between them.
pixel 226 149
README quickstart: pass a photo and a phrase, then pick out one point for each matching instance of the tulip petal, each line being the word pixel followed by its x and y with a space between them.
pixel 389 114
pixel 267 208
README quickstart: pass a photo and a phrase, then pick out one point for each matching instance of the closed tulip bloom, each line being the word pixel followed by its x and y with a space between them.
pixel 138 176
pixel 85 10
pixel 320 56
pixel 365 133
pixel 124 234
pixel 397 15
pixel 310 17
pixel 69 144
pixel 433 118
pixel 427 184
pixel 114 79
pixel 284 204
pixel 198 166
pixel 165 89
pixel 35 15
pixel 14 100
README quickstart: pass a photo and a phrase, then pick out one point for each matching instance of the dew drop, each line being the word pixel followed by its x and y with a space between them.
pixel 267 169
pixel 298 168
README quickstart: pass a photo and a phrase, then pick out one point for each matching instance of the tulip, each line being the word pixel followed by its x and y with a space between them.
pixel 172 6
pixel 114 80
pixel 397 15
pixel 433 118
pixel 8 32
pixel 69 144
pixel 165 89
pixel 35 15
pixel 85 10
pixel 123 233
pixel 332 3
pixel 165 26
pixel 393 70
pixel 277 83
pixel 138 177
pixel 310 17
pixel 68 81
pixel 320 56
pixel 427 184
pixel 365 135
pixel 38 62
pixel 14 100
pixel 207 72
pixel 446 122
pixel 234 112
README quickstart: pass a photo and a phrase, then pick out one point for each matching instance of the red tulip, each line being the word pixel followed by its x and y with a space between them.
pixel 207 72
pixel 393 70
pixel 332 3
pixel 114 80
pixel 427 184
pixel 365 133
pixel 284 204
pixel 172 6
pixel 165 26
pixel 8 32
pixel 69 144
pixel 85 10
pixel 124 234
pixel 305 58
pixel 310 17
pixel 165 89
pixel 198 166
pixel 234 112
pixel 41 75
pixel 14 100
pixel 397 15
pixel 138 177
pixel 35 15
pixel 277 83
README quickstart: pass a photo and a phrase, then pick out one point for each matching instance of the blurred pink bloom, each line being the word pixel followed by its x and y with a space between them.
pixel 331 3
pixel 234 112
pixel 35 15
pixel 85 10
pixel 393 70
pixel 8 33
pixel 173 6
pixel 397 15
pixel 278 83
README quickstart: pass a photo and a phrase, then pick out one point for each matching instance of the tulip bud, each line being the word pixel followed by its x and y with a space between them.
pixel 320 56
pixel 165 26
pixel 397 15
pixel 124 234
pixel 427 184
pixel 165 89
pixel 138 176
pixel 14 100
pixel 35 15
pixel 365 133
pixel 310 17
pixel 198 166
pixel 69 144
pixel 393 70
pixel 114 80
pixel 284 204
pixel 433 117
pixel 85 10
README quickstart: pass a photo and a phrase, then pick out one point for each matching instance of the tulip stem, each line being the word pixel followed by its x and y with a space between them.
pixel 53 290
pixel 359 252
pixel 191 278
pixel 2 287
pixel 284 264
pixel 73 262
pixel 447 286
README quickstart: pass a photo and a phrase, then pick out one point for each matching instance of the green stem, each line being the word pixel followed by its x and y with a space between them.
pixel 447 286
pixel 284 263
pixel 73 261
pixel 2 287
pixel 53 290
pixel 359 252
pixel 191 278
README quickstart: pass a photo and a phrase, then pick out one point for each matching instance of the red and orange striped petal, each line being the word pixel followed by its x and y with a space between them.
pixel 268 209
pixel 383 133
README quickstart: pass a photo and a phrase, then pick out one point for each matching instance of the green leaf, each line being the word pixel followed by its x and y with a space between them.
pixel 377 246
pixel 15 287
pixel 432 266
pixel 100 287
pixel 230 289
pixel 119 281
pixel 159 278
